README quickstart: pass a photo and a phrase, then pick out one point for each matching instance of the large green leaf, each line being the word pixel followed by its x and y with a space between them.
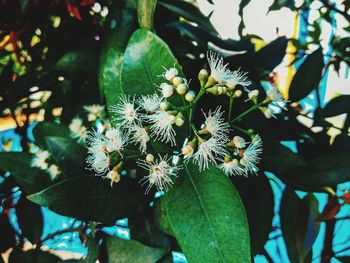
pixel 30 219
pixel 145 58
pixel 120 251
pixel 30 179
pixel 43 129
pixel 68 154
pixel 111 58
pixel 298 223
pixel 92 199
pixel 307 77
pixel 206 215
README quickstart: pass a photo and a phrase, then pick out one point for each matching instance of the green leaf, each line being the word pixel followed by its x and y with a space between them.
pixel 190 12
pixel 145 58
pixel 278 158
pixel 92 199
pixel 260 210
pixel 76 61
pixel 120 251
pixel 93 251
pixel 271 55
pixel 345 259
pixel 321 172
pixel 30 179
pixel 111 59
pixel 43 129
pixel 206 215
pixel 298 223
pixel 145 10
pixel 68 154
pixel 337 106
pixel 30 219
pixel 278 4
pixel 31 256
pixel 307 77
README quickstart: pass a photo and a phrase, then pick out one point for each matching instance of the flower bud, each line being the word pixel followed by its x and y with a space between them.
pixel 231 86
pixel 187 150
pixel 173 119
pixel 114 176
pixel 167 90
pixel 239 142
pixel 164 106
pixel 149 158
pixel 181 88
pixel 170 73
pixel 213 90
pixel 252 95
pixel 237 93
pixel 220 90
pixel 179 122
pixel 177 81
pixel 190 95
pixel 203 76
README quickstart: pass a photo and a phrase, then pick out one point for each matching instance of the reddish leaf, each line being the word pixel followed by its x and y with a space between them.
pixel 331 209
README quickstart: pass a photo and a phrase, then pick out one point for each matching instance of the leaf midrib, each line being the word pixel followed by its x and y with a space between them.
pixel 211 227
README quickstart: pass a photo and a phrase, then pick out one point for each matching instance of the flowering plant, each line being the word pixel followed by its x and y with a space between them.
pixel 140 127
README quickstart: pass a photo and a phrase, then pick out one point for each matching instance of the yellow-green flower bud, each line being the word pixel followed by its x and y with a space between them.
pixel 181 88
pixel 190 95
pixel 177 81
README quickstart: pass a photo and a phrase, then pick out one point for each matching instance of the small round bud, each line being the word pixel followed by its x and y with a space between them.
pixel 187 150
pixel 170 73
pixel 235 161
pixel 181 88
pixel 253 94
pixel 177 81
pixel 179 122
pixel 173 118
pixel 167 90
pixel 224 89
pixel 231 86
pixel 242 162
pixel 149 158
pixel 190 95
pixel 237 93
pixel 239 142
pixel 203 74
pixel 164 106
pixel 220 90
pixel 114 176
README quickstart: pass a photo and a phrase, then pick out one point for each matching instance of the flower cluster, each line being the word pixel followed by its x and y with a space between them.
pixel 42 161
pixel 153 118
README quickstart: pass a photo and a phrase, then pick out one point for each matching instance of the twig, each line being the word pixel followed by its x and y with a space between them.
pixel 327 251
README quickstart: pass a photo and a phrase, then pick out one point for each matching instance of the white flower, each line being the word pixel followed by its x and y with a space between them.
pixel 116 140
pixel 237 77
pixel 140 136
pixel 53 171
pixel 232 167
pixel 208 151
pixel 216 125
pixel 126 112
pixel 99 162
pixel 151 103
pixel 221 74
pixel 275 95
pixel 253 94
pixel 159 173
pixel 162 126
pixel 40 160
pixel 187 150
pixel 94 112
pixel 269 113
pixel 96 142
pixel 78 130
pixel 114 176
pixel 251 155
pixel 218 70
pixel 170 73
pixel 167 90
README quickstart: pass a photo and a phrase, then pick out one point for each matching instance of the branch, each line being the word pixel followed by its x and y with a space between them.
pixel 327 251
pixel 335 9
